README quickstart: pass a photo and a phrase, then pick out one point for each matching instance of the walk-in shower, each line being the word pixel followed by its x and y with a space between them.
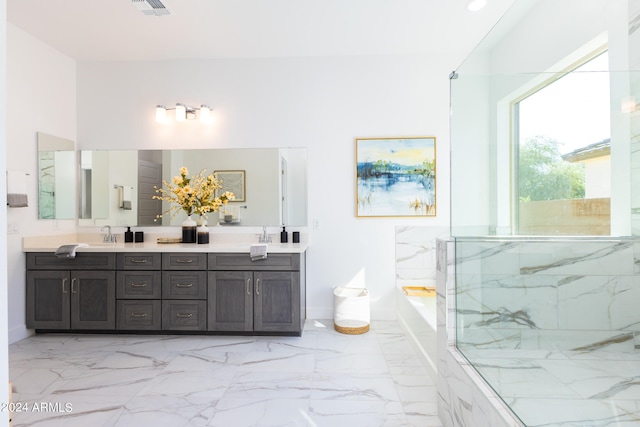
pixel 545 205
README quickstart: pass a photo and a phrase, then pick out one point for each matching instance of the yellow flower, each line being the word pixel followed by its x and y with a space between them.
pixel 194 195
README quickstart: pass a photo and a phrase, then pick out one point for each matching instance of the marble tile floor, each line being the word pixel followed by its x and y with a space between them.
pixel 320 379
pixel 565 388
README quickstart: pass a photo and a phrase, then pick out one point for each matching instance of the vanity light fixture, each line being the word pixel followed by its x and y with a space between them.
pixel 185 112
pixel 476 5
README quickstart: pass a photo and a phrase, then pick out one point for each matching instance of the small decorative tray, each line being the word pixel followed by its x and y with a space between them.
pixel 419 291
pixel 169 240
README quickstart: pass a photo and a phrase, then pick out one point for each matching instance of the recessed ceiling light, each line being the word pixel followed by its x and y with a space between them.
pixel 476 5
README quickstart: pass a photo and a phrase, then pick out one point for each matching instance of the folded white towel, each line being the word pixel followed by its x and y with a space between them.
pixel 257 252
pixel 126 198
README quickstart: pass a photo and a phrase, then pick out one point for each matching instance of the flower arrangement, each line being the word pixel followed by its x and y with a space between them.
pixel 195 195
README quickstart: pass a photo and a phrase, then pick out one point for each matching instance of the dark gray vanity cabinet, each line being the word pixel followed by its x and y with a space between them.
pixel 207 293
pixel 71 293
pixel 261 296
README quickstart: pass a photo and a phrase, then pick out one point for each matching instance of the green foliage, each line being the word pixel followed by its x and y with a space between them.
pixel 543 175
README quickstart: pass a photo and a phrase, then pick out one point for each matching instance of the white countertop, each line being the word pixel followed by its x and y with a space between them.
pixel 218 243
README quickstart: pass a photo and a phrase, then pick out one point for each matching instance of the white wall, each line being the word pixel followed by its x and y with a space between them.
pixel 41 91
pixel 319 103
pixel 597 178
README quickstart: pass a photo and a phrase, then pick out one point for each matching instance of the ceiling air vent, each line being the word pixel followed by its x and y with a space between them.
pixel 151 7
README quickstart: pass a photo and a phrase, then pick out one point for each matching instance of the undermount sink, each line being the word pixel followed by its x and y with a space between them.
pixel 247 246
pixel 96 245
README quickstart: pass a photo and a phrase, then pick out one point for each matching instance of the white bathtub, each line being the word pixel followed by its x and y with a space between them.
pixel 417 315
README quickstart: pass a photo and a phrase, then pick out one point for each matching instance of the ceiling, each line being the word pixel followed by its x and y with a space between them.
pixel 115 30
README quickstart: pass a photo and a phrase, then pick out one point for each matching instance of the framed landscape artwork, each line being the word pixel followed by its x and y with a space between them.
pixel 233 181
pixel 396 177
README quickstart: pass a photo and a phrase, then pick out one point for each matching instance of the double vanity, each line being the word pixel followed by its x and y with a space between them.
pixel 153 287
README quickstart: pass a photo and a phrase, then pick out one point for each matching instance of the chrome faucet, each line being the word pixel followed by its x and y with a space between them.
pixel 108 238
pixel 264 237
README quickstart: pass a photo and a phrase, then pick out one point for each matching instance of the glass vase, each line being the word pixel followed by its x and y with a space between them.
pixel 189 230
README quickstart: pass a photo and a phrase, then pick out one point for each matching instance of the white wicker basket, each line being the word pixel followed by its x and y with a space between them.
pixel 351 314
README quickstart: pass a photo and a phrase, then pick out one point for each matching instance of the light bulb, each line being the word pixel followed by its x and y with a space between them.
pixel 161 113
pixel 181 112
pixel 205 114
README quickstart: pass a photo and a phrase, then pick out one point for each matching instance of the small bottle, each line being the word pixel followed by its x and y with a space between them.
pixel 283 236
pixel 128 235
pixel 203 234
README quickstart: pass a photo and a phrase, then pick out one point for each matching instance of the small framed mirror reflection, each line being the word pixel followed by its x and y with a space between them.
pixel 56 177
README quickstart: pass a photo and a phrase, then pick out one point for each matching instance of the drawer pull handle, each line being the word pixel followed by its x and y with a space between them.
pixel 248 286
pixel 184 285
pixel 138 261
pixel 138 285
pixel 64 285
pixel 138 314
pixel 184 261
pixel 257 286
pixel 184 315
pixel 73 288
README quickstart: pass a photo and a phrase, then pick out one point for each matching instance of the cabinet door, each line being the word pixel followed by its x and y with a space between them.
pixel 277 301
pixel 93 300
pixel 230 301
pixel 48 299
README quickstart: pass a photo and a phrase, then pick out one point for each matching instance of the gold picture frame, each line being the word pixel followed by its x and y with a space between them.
pixel 233 181
pixel 396 177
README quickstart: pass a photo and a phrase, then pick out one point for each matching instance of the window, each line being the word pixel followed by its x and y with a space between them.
pixel 562 171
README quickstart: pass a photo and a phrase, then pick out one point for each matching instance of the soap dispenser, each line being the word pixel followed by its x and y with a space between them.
pixel 283 235
pixel 128 235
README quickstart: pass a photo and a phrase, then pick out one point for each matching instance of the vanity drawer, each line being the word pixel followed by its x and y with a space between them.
pixel 82 261
pixel 242 261
pixel 188 261
pixel 184 315
pixel 139 261
pixel 138 285
pixel 184 284
pixel 138 315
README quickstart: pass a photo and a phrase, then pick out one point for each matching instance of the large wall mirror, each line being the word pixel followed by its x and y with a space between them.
pixel 56 177
pixel 117 186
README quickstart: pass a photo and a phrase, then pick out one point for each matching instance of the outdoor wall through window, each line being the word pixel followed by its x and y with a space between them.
pixel 562 153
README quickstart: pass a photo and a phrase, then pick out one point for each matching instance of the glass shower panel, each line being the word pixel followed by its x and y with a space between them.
pixel 547 314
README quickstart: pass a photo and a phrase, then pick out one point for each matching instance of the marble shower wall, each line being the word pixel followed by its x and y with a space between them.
pixel 416 255
pixel 464 398
pixel 548 295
